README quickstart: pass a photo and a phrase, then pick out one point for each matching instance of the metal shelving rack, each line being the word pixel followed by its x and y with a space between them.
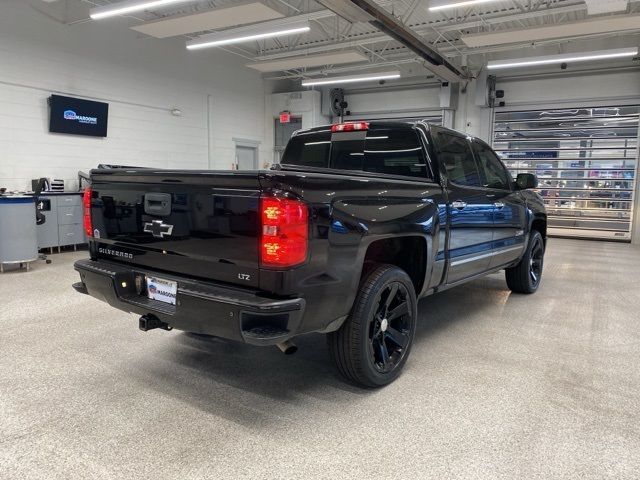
pixel 586 161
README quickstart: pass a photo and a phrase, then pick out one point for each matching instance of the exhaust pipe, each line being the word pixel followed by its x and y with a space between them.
pixel 287 347
pixel 151 322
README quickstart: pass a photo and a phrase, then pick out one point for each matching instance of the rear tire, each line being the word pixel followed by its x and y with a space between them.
pixel 372 346
pixel 527 275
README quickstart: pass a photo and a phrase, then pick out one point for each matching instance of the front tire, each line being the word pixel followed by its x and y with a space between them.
pixel 527 275
pixel 372 346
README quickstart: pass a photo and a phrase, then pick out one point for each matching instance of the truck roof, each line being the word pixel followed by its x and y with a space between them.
pixel 383 124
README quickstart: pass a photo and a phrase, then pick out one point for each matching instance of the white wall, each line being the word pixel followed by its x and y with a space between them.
pixel 142 80
pixel 596 86
pixel 410 100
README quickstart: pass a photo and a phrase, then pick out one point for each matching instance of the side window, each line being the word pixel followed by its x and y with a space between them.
pixel 493 173
pixel 394 152
pixel 456 155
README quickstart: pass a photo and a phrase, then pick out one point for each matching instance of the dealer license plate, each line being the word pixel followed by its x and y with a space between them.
pixel 162 290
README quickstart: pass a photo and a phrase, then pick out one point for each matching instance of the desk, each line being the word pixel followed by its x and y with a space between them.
pixel 63 225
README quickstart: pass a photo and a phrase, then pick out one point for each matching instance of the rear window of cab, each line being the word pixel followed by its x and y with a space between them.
pixel 389 151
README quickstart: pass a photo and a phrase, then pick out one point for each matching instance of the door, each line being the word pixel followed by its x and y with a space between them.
pixel 586 160
pixel 509 214
pixel 282 134
pixel 470 208
pixel 246 158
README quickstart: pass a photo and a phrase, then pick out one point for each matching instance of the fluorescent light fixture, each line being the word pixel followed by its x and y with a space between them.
pixel 210 20
pixel 351 79
pixel 435 6
pixel 592 26
pixel 563 58
pixel 330 58
pixel 130 6
pixel 247 34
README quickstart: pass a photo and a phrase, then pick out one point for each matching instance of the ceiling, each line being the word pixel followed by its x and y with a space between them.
pixel 467 37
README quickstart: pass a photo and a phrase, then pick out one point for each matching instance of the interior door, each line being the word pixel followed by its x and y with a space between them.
pixel 470 209
pixel 282 133
pixel 510 215
pixel 246 158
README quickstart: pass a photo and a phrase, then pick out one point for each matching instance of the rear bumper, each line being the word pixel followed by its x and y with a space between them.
pixel 201 307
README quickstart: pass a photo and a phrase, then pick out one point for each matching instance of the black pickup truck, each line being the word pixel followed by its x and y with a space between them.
pixel 357 222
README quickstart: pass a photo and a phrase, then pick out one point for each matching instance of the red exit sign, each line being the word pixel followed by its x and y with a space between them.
pixel 285 117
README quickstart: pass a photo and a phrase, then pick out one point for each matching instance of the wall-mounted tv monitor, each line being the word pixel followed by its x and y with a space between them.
pixel 77 116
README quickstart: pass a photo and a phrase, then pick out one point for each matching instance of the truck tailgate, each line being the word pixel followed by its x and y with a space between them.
pixel 199 224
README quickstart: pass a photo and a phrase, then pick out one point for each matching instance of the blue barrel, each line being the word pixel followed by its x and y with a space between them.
pixel 18 234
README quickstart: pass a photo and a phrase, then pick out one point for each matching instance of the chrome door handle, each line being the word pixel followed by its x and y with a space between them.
pixel 459 205
pixel 499 205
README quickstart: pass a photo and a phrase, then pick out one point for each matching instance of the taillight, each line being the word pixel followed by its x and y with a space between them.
pixel 350 127
pixel 86 214
pixel 285 232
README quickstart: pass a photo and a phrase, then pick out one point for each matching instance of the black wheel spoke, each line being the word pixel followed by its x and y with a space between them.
pixel 376 331
pixel 399 311
pixel 391 296
pixel 384 354
pixel 396 336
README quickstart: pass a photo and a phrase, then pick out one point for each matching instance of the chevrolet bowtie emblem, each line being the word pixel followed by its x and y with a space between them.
pixel 158 229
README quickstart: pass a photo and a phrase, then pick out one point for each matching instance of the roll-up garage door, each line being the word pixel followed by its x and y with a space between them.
pixel 585 160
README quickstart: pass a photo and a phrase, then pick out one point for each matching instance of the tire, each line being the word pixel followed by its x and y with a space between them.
pixel 371 347
pixel 527 275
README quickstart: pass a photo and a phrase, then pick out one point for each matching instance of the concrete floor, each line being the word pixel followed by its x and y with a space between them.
pixel 497 386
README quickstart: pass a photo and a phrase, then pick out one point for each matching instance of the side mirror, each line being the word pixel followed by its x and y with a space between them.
pixel 526 181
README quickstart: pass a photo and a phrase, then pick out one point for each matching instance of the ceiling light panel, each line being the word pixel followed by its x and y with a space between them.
pixel 563 58
pixel 610 24
pixel 339 58
pixel 351 79
pixel 211 20
pixel 130 6
pixel 597 7
pixel 248 34
pixel 437 5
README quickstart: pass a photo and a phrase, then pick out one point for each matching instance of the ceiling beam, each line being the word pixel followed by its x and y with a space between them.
pixel 438 27
pixel 367 10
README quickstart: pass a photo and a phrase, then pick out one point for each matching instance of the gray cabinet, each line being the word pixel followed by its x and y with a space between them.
pixel 63 224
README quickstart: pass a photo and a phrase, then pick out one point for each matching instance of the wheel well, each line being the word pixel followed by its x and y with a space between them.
pixel 407 253
pixel 540 224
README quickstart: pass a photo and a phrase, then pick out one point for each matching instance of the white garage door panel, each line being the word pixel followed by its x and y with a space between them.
pixel 586 161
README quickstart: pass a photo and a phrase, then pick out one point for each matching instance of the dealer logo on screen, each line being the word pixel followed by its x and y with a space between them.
pixel 73 116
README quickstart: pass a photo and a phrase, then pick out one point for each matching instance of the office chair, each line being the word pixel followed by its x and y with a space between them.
pixel 40 217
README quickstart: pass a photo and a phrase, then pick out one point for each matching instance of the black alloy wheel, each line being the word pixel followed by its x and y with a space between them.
pixel 389 329
pixel 373 344
pixel 536 261
pixel 526 276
